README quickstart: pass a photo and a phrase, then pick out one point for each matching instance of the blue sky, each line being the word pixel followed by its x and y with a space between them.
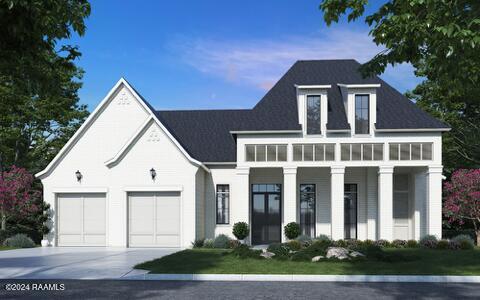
pixel 212 54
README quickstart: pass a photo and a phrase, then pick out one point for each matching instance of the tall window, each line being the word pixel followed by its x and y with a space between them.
pixel 223 199
pixel 313 115
pixel 307 209
pixel 362 120
pixel 350 211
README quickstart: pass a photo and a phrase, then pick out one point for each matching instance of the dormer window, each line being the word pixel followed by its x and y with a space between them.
pixel 362 119
pixel 314 114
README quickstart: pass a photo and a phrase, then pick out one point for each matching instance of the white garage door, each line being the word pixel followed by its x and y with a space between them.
pixel 81 219
pixel 154 219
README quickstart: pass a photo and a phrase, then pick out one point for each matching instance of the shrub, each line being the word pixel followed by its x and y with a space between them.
pixel 429 241
pixel 19 241
pixel 294 245
pixel 240 230
pixel 232 244
pixel 281 251
pixel 323 237
pixel 464 242
pixel 198 243
pixel 443 244
pixel 305 240
pixel 399 243
pixel 301 256
pixel 382 243
pixel 292 230
pixel 339 243
pixel 208 243
pixel 368 243
pixel 243 251
pixel 412 244
pixel 221 241
pixel 353 244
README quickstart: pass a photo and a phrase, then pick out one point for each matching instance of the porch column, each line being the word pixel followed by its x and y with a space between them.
pixel 289 197
pixel 434 201
pixel 337 174
pixel 240 203
pixel 385 202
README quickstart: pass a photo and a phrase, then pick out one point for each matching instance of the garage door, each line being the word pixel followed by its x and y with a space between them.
pixel 81 219
pixel 154 219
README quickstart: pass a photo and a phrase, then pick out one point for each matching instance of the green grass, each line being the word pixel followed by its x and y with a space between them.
pixel 416 262
pixel 2 248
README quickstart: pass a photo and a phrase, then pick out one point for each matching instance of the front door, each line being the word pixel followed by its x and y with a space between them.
pixel 266 213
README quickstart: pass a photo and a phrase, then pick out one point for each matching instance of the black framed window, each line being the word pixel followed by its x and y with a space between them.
pixel 307 209
pixel 362 119
pixel 223 203
pixel 313 114
pixel 350 211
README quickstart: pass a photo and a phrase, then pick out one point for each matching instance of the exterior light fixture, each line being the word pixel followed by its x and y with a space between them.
pixel 153 173
pixel 78 175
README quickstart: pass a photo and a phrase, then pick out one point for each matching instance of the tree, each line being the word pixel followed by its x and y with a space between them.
pixel 462 199
pixel 441 39
pixel 39 80
pixel 17 196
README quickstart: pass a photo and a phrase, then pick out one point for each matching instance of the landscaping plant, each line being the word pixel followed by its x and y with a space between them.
pixel 292 230
pixel 208 243
pixel 241 230
pixel 463 242
pixel 221 241
pixel 19 241
pixel 462 199
pixel 429 241
pixel 198 243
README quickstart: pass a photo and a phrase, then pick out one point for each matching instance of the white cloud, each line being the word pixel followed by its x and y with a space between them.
pixel 260 63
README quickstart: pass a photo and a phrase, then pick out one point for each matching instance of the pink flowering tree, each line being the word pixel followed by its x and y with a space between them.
pixel 462 198
pixel 17 194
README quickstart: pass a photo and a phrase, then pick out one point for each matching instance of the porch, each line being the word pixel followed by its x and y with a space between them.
pixel 341 202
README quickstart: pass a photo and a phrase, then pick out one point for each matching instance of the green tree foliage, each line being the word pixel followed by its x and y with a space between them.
pixel 441 39
pixel 39 80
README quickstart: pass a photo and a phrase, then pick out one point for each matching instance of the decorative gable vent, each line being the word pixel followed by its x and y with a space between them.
pixel 154 135
pixel 123 99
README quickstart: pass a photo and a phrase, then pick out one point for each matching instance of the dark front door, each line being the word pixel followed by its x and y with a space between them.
pixel 266 213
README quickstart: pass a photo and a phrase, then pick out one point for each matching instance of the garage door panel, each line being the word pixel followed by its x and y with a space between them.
pixel 70 239
pixel 94 215
pixel 95 239
pixel 154 219
pixel 69 215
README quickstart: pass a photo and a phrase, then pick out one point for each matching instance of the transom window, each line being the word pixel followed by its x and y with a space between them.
pixel 223 203
pixel 361 151
pixel 410 151
pixel 313 114
pixel 313 152
pixel 269 152
pixel 362 119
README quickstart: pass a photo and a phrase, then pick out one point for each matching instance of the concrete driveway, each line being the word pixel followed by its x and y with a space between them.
pixel 75 263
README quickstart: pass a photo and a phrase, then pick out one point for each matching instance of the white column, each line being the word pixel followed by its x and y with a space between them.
pixel 240 197
pixel 289 197
pixel 372 203
pixel 434 201
pixel 385 202
pixel 420 196
pixel 337 174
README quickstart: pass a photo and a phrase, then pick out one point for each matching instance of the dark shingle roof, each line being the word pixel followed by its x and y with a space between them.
pixel 205 134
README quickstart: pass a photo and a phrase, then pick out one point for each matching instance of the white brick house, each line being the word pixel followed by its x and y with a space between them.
pixel 342 155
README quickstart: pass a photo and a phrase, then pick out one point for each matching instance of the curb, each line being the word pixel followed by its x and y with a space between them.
pixel 315 278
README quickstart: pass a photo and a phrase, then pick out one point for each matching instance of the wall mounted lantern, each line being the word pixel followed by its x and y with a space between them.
pixel 153 173
pixel 78 175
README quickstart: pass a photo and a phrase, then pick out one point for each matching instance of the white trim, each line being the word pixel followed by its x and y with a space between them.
pixel 359 86
pixel 132 140
pixel 338 130
pixel 299 277
pixel 161 188
pixel 264 131
pixel 413 130
pixel 323 86
pixel 80 189
pixel 95 114
pixel 220 163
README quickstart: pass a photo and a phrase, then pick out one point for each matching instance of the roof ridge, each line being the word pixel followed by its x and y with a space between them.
pixel 205 110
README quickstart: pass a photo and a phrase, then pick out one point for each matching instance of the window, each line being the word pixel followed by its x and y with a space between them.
pixel 223 199
pixel 307 209
pixel 350 211
pixel 410 151
pixel 271 152
pixel 361 152
pixel 362 120
pixel 313 115
pixel 313 152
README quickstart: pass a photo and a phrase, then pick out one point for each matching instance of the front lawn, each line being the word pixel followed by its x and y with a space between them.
pixel 415 262
pixel 6 248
